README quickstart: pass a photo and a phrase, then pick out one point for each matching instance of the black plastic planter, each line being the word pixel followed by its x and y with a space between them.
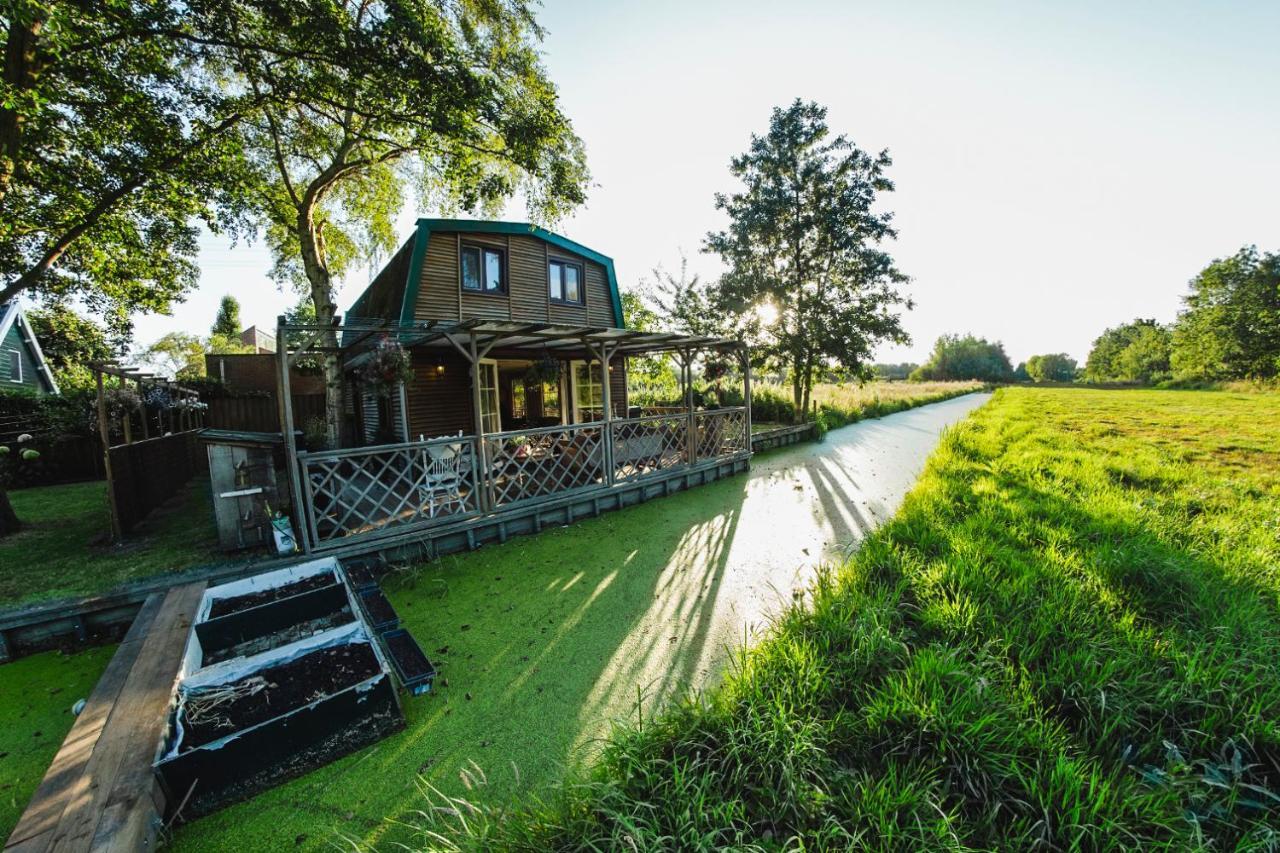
pixel 361 573
pixel 411 665
pixel 378 610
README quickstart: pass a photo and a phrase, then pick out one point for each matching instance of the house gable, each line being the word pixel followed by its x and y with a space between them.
pixel 421 282
pixel 22 364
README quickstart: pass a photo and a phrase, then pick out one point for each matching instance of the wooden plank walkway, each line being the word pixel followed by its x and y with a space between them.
pixel 100 793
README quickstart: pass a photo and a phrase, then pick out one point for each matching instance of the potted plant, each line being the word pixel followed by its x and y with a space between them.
pixel 546 370
pixel 387 366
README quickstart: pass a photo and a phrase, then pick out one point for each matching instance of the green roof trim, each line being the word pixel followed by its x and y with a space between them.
pixel 482 226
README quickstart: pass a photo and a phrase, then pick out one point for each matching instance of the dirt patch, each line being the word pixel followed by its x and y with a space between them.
pixel 224 606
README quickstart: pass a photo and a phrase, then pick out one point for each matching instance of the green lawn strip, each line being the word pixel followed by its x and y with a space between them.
pixel 36 698
pixel 63 551
pixel 1067 638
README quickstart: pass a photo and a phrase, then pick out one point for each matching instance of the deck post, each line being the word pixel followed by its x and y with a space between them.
pixel 285 398
pixel 605 355
pixel 745 354
pixel 104 432
pixel 692 426
pixel 485 478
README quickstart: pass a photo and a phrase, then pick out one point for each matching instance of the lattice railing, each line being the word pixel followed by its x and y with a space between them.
pixel 535 463
pixel 368 490
pixel 649 444
pixel 721 432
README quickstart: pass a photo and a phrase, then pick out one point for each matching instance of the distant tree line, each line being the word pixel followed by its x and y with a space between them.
pixel 1228 329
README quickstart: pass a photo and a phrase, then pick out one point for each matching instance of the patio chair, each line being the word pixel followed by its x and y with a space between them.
pixel 442 479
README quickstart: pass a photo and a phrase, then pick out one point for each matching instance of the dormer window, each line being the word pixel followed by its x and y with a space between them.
pixel 484 270
pixel 565 281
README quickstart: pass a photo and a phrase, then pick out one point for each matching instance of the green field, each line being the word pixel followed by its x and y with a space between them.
pixel 1067 639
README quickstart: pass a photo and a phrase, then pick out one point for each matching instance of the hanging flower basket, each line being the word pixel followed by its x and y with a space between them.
pixel 545 370
pixel 387 366
pixel 121 402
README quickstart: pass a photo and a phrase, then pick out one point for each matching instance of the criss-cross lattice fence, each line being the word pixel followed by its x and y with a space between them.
pixel 538 463
pixel 649 444
pixel 721 432
pixel 368 491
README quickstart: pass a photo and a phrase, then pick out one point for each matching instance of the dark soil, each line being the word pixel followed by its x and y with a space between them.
pixel 408 655
pixel 378 607
pixel 283 637
pixel 223 606
pixel 287 686
pixel 360 574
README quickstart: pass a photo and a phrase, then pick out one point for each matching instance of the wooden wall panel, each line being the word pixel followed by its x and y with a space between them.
pixel 439 403
pixel 529 279
pixel 599 300
pixel 438 289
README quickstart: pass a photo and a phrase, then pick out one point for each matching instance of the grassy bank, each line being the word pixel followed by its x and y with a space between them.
pixel 63 549
pixel 838 405
pixel 1066 639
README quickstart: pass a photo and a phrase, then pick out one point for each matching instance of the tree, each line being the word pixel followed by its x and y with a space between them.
pixel 959 357
pixel 227 322
pixel 71 343
pixel 1054 367
pixel 449 96
pixel 1230 328
pixel 177 354
pixel 1130 352
pixel 807 280
pixel 113 144
pixel 893 372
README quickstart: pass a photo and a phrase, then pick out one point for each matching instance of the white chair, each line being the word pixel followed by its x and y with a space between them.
pixel 441 483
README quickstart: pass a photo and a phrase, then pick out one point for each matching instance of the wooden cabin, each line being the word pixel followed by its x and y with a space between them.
pixel 514 408
pixel 456 270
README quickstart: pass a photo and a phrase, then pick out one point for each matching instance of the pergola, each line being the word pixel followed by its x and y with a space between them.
pixel 478 338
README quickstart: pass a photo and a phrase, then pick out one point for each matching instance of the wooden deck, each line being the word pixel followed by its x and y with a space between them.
pixel 100 792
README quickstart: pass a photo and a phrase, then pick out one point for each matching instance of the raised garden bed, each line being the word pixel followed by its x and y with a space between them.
pixel 281 674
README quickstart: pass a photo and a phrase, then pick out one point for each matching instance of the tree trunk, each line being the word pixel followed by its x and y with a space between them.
pixel 797 396
pixel 311 241
pixel 9 522
pixel 20 69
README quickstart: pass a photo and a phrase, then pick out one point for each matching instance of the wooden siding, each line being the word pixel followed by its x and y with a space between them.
pixel 30 377
pixel 439 403
pixel 440 296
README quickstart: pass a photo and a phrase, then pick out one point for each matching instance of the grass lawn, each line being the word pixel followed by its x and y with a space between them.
pixel 1067 638
pixel 35 706
pixel 61 552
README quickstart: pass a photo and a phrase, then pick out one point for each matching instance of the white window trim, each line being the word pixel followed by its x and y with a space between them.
pixel 19 377
pixel 573 388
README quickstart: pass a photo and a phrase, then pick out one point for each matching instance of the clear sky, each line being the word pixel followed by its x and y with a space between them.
pixel 1060 167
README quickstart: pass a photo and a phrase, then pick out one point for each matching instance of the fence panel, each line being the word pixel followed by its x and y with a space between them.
pixel 649 444
pixel 538 463
pixel 260 413
pixel 68 459
pixel 147 473
pixel 372 490
pixel 721 432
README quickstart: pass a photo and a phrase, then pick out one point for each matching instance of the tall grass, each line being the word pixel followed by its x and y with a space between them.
pixel 837 405
pixel 1067 639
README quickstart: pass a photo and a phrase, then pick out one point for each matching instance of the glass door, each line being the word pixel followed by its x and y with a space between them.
pixel 588 392
pixel 490 417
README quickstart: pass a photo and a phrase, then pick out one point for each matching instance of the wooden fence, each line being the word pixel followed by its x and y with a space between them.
pixel 260 413
pixel 147 473
pixel 66 459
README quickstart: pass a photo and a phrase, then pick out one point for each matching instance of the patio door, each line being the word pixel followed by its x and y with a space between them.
pixel 490 416
pixel 586 391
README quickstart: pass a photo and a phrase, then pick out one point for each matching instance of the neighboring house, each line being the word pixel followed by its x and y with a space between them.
pixel 22 364
pixel 454 270
pixel 250 373
pixel 261 341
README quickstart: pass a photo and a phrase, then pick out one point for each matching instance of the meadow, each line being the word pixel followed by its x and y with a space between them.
pixel 1066 639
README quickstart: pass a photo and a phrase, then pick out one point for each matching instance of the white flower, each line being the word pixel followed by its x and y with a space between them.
pixel 26 436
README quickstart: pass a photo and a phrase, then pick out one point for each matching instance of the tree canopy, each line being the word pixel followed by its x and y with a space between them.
pixel 227 321
pixel 1052 367
pixel 1230 328
pixel 70 343
pixel 1130 352
pixel 807 272
pixel 957 357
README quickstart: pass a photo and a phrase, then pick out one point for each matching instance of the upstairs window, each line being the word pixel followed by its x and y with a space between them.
pixel 15 365
pixel 566 282
pixel 484 270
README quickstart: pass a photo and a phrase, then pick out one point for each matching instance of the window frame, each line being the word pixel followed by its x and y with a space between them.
pixel 582 282
pixel 15 358
pixel 503 269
